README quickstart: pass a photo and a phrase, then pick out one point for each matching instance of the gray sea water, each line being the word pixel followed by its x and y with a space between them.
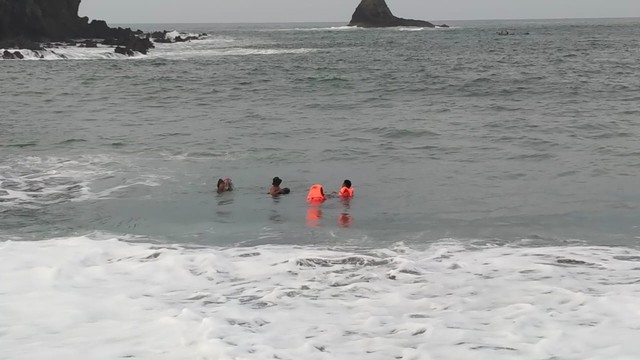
pixel 455 133
pixel 496 213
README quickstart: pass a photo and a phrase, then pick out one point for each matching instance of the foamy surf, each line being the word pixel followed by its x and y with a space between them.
pixel 403 28
pixel 196 52
pixel 32 181
pixel 109 299
pixel 75 53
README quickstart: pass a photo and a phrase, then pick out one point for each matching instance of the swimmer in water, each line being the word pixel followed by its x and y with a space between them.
pixel 275 189
pixel 316 194
pixel 224 185
pixel 347 191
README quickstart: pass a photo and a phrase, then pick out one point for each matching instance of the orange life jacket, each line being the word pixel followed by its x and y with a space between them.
pixel 346 192
pixel 316 194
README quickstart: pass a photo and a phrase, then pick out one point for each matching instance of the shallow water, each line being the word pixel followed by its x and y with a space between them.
pixel 496 208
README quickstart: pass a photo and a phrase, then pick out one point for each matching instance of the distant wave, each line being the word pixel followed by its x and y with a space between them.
pixel 356 28
pixel 332 28
pixel 404 28
pixel 190 53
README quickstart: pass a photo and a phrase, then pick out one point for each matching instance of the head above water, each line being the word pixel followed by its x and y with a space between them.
pixel 220 183
pixel 276 181
pixel 347 184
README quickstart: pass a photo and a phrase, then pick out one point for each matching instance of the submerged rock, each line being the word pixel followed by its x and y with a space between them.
pixel 376 13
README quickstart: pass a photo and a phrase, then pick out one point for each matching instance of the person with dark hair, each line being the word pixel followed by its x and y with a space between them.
pixel 224 185
pixel 275 189
pixel 347 190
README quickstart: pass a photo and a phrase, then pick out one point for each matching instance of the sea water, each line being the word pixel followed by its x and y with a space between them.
pixel 496 210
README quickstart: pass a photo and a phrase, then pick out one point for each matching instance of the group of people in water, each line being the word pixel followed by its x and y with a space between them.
pixel 315 195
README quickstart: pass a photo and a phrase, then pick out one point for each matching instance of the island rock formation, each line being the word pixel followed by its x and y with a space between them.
pixel 25 24
pixel 376 13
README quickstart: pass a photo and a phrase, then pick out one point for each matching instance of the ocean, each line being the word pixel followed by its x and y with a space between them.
pixel 496 213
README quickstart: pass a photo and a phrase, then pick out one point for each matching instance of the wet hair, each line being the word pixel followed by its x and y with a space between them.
pixel 276 181
pixel 285 191
pixel 347 183
pixel 220 181
pixel 228 184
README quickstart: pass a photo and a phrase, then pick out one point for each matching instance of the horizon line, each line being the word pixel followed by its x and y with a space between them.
pixel 346 22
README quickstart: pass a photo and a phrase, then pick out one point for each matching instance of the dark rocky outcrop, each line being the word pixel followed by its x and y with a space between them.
pixel 161 37
pixel 376 13
pixel 20 43
pixel 25 23
pixel 16 55
pixel 89 44
pixel 123 51
pixel 134 43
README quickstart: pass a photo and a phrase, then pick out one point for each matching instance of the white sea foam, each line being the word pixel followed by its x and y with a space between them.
pixel 402 28
pixel 75 53
pixel 106 299
pixel 174 34
pixel 187 53
pixel 209 46
pixel 33 181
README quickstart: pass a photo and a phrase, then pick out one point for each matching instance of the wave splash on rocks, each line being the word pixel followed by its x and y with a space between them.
pixel 44 24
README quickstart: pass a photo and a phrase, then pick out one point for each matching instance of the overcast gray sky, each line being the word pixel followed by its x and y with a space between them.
pixel 216 11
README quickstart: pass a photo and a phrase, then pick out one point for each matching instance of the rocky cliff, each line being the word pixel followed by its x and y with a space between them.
pixel 26 23
pixel 376 13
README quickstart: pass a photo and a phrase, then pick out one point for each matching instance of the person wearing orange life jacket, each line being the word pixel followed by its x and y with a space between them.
pixel 316 194
pixel 347 190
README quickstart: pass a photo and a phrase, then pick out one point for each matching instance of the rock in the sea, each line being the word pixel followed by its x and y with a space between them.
pixel 89 44
pixel 141 45
pixel 186 38
pixel 16 55
pixel 7 55
pixel 158 34
pixel 376 13
pixel 124 51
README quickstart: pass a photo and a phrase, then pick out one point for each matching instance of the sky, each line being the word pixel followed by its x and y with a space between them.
pixel 251 11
